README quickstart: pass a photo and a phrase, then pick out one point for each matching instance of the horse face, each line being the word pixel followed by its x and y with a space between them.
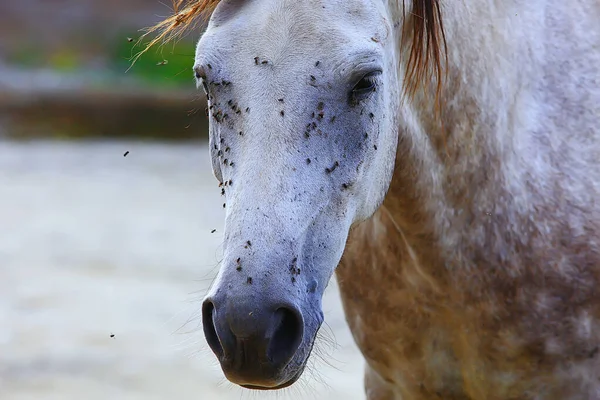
pixel 303 140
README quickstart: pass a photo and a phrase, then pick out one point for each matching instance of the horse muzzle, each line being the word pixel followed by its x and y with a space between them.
pixel 255 341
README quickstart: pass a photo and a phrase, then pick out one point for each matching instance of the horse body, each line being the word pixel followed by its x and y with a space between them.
pixel 477 277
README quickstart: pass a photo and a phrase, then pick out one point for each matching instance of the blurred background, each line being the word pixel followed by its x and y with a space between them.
pixel 107 212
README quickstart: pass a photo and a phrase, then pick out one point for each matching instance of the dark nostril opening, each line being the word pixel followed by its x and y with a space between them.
pixel 287 336
pixel 210 332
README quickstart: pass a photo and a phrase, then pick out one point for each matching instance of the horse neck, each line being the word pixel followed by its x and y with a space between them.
pixel 475 158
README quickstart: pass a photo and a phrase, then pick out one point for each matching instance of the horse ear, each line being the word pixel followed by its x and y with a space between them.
pixel 227 9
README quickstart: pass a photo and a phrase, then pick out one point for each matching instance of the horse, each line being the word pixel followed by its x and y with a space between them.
pixel 441 157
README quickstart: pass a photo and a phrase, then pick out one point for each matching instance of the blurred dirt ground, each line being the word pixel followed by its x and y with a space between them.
pixel 94 244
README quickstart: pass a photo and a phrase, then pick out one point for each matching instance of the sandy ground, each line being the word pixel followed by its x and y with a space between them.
pixel 94 244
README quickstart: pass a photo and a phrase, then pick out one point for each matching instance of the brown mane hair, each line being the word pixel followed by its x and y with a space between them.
pixel 428 38
pixel 428 43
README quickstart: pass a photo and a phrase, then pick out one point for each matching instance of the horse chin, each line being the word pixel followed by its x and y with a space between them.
pixel 283 385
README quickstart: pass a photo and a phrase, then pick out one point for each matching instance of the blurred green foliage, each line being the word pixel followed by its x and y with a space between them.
pixel 169 65
pixel 115 55
pixel 101 68
pixel 65 60
pixel 25 55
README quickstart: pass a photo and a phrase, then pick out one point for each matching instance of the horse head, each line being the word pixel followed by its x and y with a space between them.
pixel 303 99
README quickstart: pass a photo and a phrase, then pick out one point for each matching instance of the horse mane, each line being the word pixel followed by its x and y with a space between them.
pixel 428 43
pixel 186 15
pixel 428 38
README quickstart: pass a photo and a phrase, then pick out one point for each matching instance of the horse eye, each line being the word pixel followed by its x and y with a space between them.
pixel 364 87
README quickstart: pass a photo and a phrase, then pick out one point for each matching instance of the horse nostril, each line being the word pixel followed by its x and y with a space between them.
pixel 287 336
pixel 210 331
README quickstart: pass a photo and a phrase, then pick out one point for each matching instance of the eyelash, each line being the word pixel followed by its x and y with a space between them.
pixel 370 80
pixel 365 86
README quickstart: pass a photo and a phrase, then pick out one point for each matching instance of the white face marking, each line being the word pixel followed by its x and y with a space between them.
pixel 303 108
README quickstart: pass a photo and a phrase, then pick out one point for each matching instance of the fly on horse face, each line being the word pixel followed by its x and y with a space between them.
pixel 441 156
